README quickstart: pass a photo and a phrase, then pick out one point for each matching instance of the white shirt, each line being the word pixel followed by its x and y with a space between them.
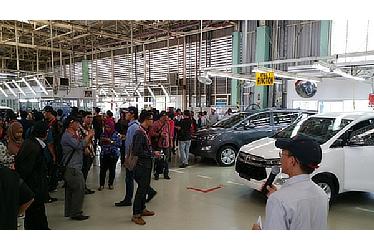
pixel 299 205
pixel 213 118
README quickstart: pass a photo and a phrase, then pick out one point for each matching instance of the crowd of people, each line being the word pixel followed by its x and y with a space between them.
pixel 45 148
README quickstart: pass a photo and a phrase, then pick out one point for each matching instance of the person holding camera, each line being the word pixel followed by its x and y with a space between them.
pixel 160 138
pixel 110 143
pixel 72 147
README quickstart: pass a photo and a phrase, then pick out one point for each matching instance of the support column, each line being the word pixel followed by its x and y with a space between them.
pixel 262 55
pixel 325 38
pixel 235 60
pixel 85 74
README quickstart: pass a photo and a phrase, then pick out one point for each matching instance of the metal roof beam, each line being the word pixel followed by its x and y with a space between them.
pixel 30 46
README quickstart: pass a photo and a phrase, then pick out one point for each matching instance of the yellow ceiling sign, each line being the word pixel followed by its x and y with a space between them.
pixel 265 79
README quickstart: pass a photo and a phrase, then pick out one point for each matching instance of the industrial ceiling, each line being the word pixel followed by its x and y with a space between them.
pixel 32 45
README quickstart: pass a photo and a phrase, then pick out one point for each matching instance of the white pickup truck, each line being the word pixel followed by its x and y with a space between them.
pixel 347 142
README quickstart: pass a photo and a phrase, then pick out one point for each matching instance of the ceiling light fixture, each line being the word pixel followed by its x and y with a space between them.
pixel 28 85
pixel 41 86
pixel 18 87
pixel 204 79
pixel 330 68
pixel 10 89
pixel 236 76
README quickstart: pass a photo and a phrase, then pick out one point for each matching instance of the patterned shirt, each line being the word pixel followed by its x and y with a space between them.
pixel 162 132
pixel 6 159
pixel 111 148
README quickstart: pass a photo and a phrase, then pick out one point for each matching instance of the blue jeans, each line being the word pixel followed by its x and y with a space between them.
pixel 184 151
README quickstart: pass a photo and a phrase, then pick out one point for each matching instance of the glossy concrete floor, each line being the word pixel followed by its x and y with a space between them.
pixel 232 205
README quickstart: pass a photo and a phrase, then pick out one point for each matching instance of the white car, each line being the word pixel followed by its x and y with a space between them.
pixel 347 142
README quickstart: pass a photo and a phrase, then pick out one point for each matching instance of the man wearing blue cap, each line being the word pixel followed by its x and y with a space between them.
pixel 300 204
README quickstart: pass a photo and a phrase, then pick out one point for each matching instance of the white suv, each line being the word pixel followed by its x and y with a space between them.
pixel 347 142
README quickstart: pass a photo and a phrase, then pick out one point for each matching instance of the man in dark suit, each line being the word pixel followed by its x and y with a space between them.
pixel 32 168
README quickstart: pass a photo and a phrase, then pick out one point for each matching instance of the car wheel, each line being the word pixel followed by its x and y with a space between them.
pixel 327 184
pixel 226 156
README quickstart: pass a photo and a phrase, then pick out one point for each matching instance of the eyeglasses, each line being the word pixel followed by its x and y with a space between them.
pixel 281 153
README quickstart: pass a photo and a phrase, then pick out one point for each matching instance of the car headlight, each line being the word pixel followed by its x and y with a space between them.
pixel 211 137
pixel 206 148
pixel 273 162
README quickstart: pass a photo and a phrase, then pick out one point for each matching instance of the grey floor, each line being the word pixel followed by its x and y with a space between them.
pixel 233 206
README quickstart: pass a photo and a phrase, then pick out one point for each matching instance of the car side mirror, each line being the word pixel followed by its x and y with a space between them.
pixel 249 126
pixel 356 141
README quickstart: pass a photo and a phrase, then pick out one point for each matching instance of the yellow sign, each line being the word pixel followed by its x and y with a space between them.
pixel 265 79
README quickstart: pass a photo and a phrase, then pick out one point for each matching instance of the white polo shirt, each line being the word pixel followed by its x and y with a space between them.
pixel 299 205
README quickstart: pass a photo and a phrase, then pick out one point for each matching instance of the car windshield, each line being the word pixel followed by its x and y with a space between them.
pixel 230 121
pixel 320 129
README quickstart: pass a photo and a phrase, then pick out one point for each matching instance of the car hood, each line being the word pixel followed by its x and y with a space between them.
pixel 264 147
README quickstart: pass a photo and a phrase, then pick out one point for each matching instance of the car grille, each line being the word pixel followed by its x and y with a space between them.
pixel 253 167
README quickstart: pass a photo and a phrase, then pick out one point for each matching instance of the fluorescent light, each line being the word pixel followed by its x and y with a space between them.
pixel 151 92
pixel 18 87
pixel 230 75
pixel 325 68
pixel 1 89
pixel 137 91
pixel 22 100
pixel 10 89
pixel 28 85
pixel 41 86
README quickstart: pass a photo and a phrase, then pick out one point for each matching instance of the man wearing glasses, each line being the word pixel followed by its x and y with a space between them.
pixel 300 204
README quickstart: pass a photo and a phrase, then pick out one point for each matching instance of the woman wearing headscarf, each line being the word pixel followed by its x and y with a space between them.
pixel 10 146
pixel 110 143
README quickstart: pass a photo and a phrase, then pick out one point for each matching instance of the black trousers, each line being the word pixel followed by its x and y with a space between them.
pixel 35 217
pixel 108 162
pixel 52 176
pixel 87 163
pixel 162 165
pixel 142 175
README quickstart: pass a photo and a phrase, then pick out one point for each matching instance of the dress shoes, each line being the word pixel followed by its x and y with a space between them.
pixel 150 196
pixel 51 199
pixel 89 191
pixel 147 213
pixel 138 220
pixel 80 217
pixel 123 203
